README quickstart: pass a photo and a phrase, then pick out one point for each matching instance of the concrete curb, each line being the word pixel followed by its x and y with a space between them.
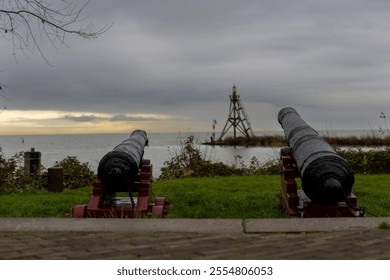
pixel 121 225
pixel 289 225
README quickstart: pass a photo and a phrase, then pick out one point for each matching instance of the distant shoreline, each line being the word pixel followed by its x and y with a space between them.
pixel 280 141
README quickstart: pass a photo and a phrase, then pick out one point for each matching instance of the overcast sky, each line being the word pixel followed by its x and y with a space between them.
pixel 170 66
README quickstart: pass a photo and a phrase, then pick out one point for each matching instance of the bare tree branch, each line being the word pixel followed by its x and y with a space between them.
pixel 23 22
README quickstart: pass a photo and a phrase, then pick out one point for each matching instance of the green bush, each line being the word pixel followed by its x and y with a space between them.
pixel 76 174
pixel 12 174
pixel 374 161
pixel 189 162
pixel 13 177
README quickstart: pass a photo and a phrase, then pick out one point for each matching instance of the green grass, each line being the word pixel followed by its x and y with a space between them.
pixel 223 197
pixel 373 194
pixel 240 197
pixel 42 203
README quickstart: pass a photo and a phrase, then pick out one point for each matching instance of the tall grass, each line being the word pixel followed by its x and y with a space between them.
pixel 266 141
pixel 368 140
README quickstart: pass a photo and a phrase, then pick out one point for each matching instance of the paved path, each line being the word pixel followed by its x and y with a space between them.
pixel 77 239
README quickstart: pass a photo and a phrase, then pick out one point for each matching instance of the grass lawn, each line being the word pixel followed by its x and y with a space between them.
pixel 240 197
pixel 42 203
pixel 373 194
pixel 223 197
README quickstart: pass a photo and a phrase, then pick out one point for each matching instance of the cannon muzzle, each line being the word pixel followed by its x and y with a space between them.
pixel 119 168
pixel 326 177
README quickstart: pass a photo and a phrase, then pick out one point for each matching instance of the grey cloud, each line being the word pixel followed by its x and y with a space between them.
pixel 115 118
pixel 122 117
pixel 84 118
pixel 329 59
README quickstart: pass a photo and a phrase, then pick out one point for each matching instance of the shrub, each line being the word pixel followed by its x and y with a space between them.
pixel 368 162
pixel 266 140
pixel 13 177
pixel 12 174
pixel 76 174
pixel 356 158
pixel 189 162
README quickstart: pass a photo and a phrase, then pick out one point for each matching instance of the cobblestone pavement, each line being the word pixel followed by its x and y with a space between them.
pixel 355 244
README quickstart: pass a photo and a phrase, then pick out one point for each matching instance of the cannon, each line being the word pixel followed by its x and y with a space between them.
pixel 119 168
pixel 326 178
pixel 123 170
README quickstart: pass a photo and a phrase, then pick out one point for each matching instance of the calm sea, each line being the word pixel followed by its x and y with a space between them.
pixel 162 146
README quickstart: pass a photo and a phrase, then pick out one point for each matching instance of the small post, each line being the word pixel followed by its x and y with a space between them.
pixel 55 179
pixel 32 161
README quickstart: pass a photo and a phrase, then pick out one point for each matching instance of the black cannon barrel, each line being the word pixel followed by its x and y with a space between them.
pixel 119 168
pixel 326 177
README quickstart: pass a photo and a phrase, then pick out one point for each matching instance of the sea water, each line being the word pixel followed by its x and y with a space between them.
pixel 162 147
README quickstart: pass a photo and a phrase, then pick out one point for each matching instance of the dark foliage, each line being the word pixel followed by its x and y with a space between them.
pixel 12 174
pixel 375 161
pixel 76 174
pixel 189 162
pixel 13 177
